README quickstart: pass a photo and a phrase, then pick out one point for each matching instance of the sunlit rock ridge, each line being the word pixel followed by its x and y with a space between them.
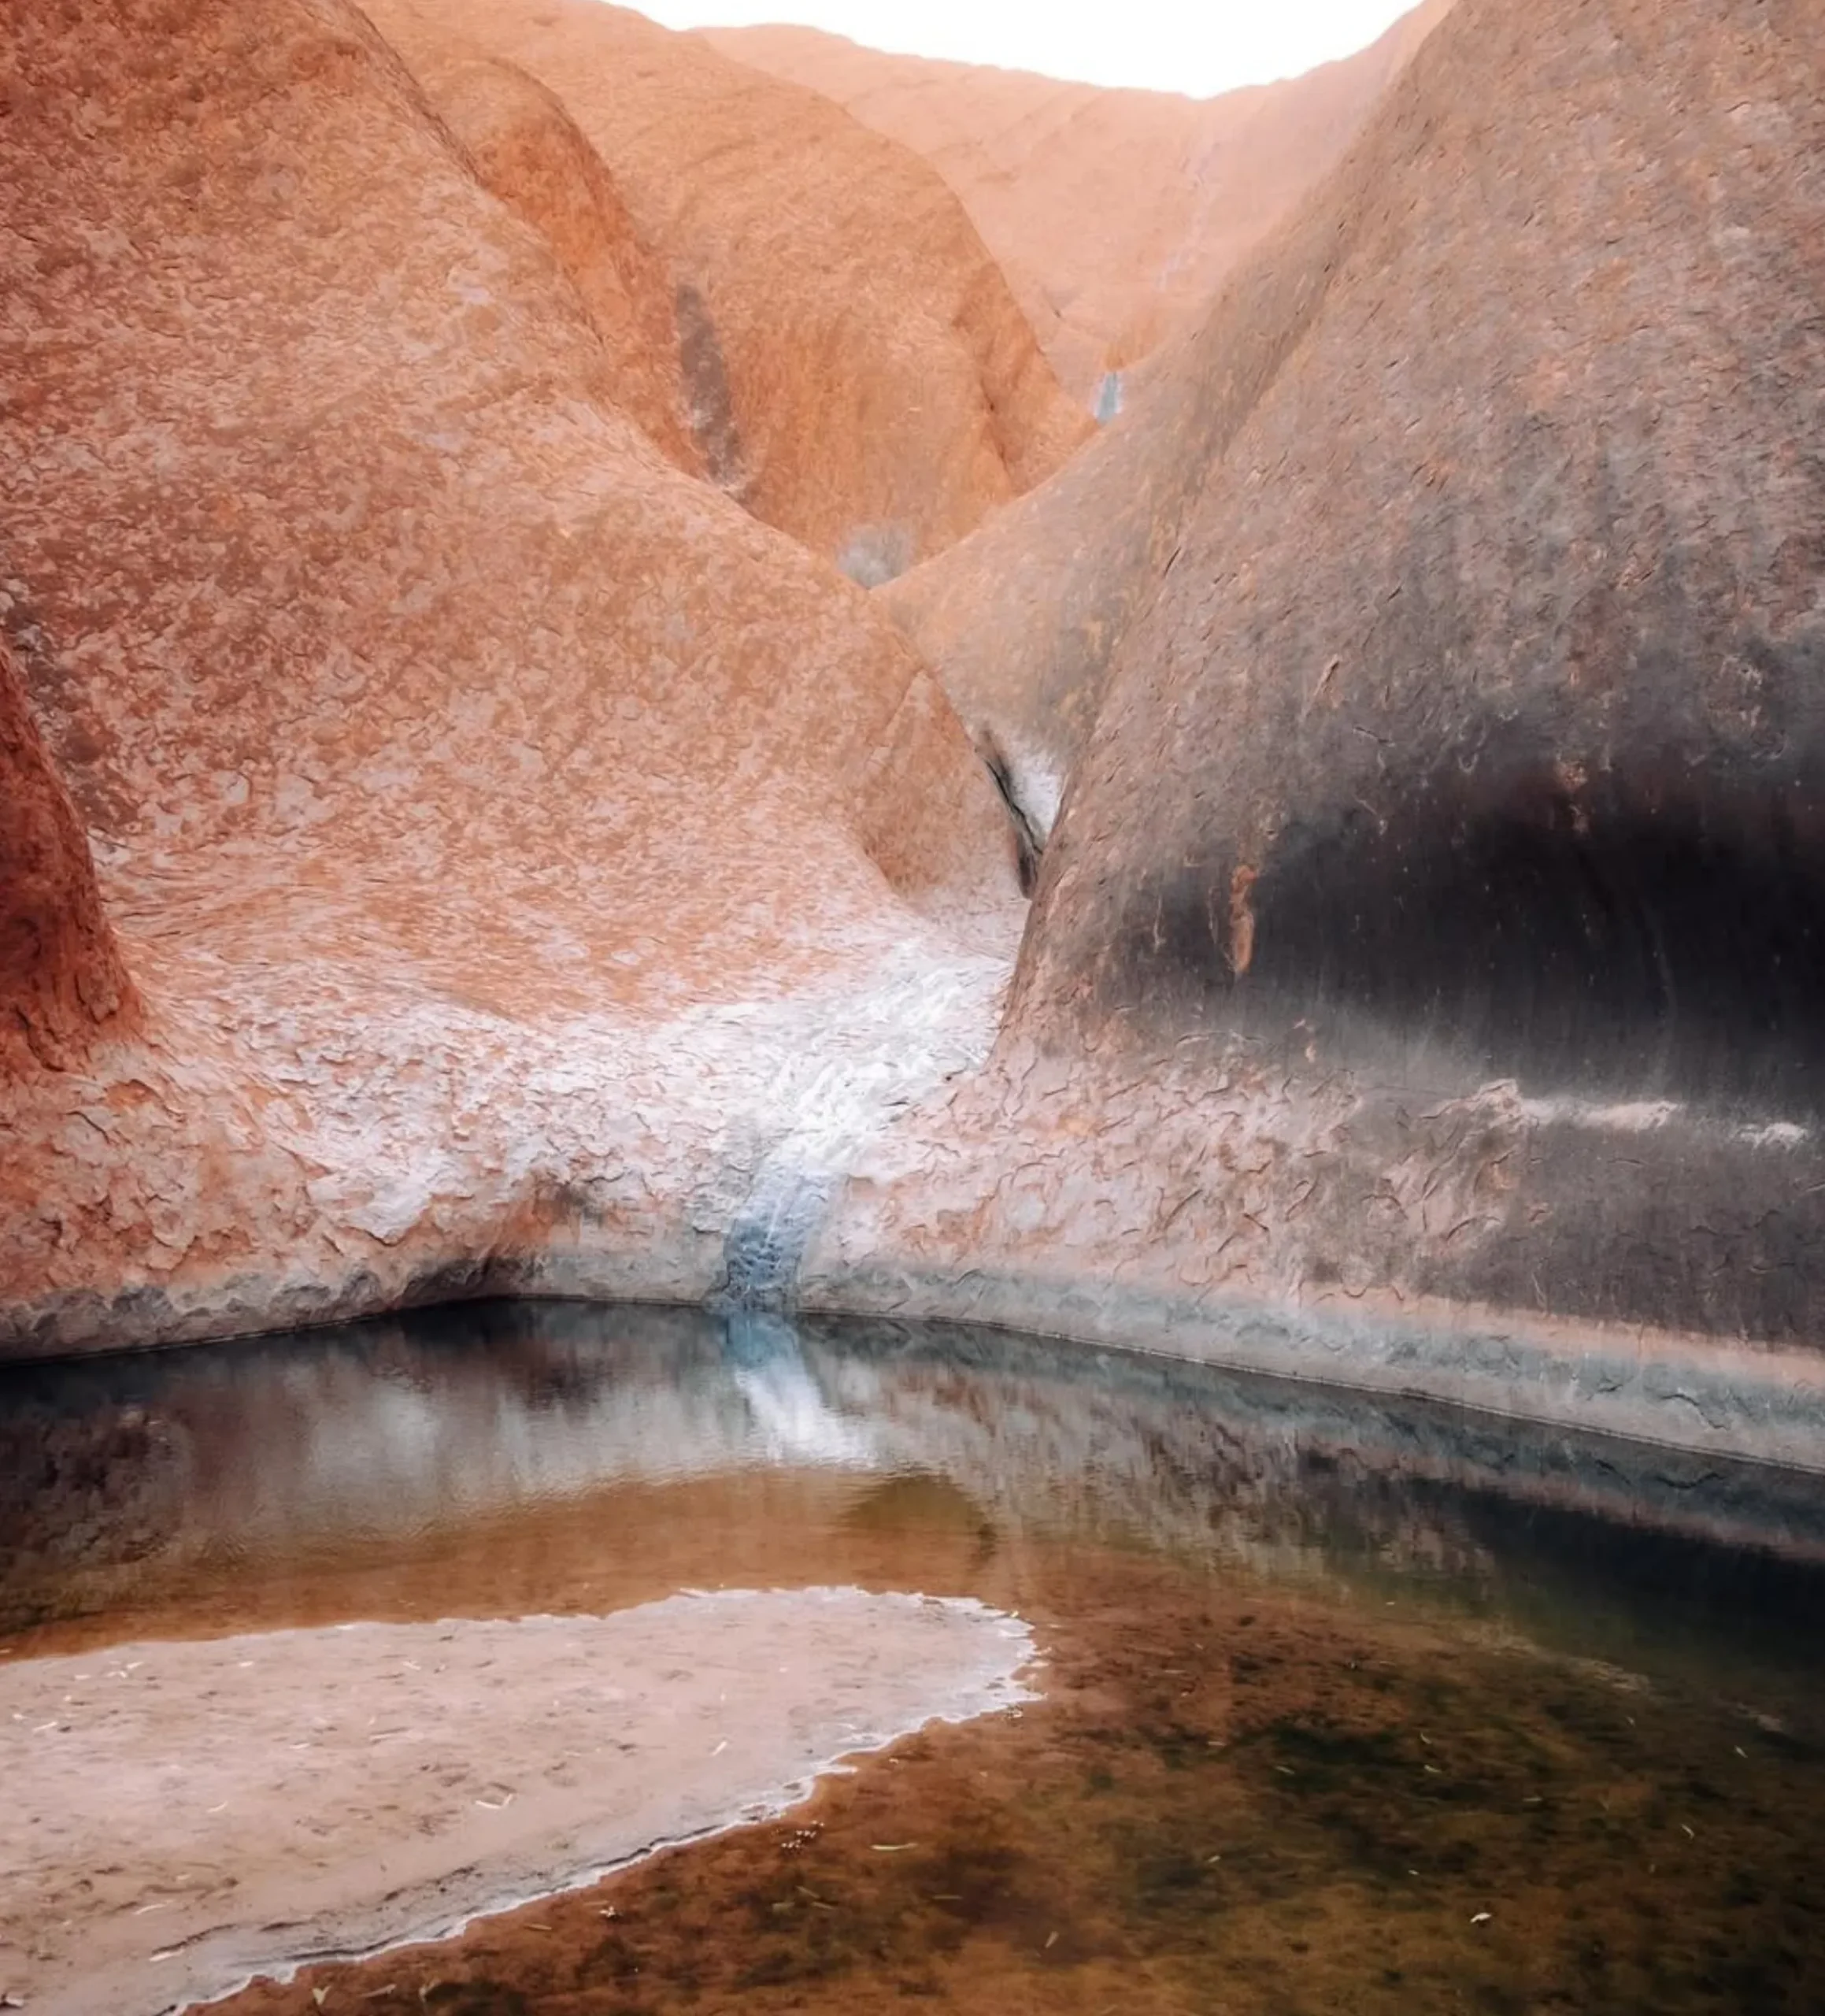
pixel 554 597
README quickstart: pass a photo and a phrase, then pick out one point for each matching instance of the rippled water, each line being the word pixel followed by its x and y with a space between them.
pixel 1349 1705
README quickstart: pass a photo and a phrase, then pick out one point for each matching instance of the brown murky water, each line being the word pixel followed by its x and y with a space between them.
pixel 1348 1706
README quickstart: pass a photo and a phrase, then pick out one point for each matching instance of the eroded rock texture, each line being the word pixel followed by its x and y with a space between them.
pixel 515 843
pixel 1023 616
pixel 62 980
pixel 1435 914
pixel 1115 214
pixel 511 863
pixel 527 150
pixel 857 370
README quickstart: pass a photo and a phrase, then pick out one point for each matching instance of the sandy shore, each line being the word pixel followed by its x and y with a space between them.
pixel 178 1817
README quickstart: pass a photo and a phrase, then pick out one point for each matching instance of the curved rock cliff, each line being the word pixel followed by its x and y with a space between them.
pixel 461 832
pixel 1115 214
pixel 858 372
pixel 510 839
pixel 1427 966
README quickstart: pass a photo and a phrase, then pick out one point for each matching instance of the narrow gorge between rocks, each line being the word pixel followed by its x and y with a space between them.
pixel 911 1080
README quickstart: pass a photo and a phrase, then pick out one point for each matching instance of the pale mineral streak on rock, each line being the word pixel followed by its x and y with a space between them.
pixel 181 1816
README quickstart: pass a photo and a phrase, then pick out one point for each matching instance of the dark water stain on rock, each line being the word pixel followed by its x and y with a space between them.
pixel 711 411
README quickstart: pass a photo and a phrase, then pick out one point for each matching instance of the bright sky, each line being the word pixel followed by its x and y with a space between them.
pixel 1160 45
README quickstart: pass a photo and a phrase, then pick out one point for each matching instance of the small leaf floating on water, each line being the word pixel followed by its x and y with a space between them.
pixel 893 1847
pixel 319 1997
pixel 1481 1917
pixel 1051 1940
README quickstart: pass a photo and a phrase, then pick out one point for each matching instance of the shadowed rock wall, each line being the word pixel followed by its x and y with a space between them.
pixel 61 980
pixel 1433 919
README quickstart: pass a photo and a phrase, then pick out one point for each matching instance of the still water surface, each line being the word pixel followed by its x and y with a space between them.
pixel 1349 1705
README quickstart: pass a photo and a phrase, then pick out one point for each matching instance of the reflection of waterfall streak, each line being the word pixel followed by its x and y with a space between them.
pixel 796 1423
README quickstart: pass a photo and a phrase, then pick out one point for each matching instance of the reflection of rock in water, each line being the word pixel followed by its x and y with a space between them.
pixel 795 1421
pixel 1275 1470
pixel 83 1491
pixel 296 1449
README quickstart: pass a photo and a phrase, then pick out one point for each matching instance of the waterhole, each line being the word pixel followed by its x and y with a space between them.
pixel 1340 1703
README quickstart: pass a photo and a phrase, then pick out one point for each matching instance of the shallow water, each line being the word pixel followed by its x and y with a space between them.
pixel 1348 1705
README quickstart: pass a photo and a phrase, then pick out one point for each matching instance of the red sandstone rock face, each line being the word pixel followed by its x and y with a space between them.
pixel 1115 214
pixel 859 373
pixel 534 871
pixel 61 980
pixel 1432 919
pixel 1022 617
pixel 512 839
pixel 527 152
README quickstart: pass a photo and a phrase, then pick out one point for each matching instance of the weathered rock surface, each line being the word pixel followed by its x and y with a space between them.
pixel 513 843
pixel 859 372
pixel 527 150
pixel 1115 214
pixel 1022 617
pixel 510 864
pixel 1434 921
pixel 62 980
